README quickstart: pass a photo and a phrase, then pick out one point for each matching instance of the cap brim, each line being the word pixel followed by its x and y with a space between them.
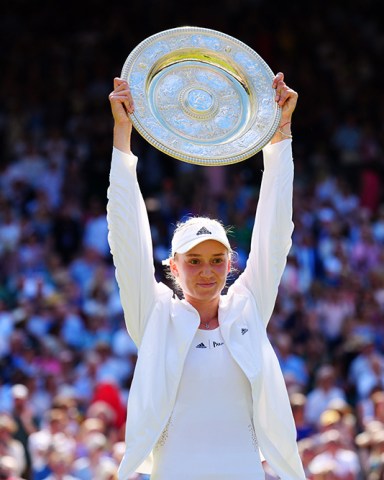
pixel 191 244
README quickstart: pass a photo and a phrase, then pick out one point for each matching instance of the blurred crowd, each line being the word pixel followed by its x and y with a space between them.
pixel 66 360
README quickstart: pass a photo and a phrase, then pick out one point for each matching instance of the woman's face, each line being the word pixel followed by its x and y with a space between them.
pixel 202 271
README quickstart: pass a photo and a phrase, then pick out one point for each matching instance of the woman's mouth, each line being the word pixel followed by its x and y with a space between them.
pixel 206 285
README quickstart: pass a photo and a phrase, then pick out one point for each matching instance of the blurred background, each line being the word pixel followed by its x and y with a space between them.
pixel 66 361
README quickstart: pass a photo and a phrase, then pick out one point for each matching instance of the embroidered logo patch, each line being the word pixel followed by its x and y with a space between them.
pixel 203 231
pixel 201 345
pixel 244 331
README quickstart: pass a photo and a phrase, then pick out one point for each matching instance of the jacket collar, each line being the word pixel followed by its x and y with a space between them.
pixel 230 307
pixel 185 321
pixel 186 317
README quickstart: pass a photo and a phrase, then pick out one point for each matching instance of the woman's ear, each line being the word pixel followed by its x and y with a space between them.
pixel 229 266
pixel 173 267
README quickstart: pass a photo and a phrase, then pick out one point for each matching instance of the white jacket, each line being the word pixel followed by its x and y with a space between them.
pixel 163 326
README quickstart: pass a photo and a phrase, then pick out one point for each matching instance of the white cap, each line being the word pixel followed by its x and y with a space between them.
pixel 19 391
pixel 195 231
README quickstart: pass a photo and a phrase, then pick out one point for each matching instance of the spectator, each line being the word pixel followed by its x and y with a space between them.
pixel 25 420
pixel 290 363
pixel 322 394
pixel 95 458
pixel 366 369
pixel 53 431
pixel 9 446
pixel 304 429
pixel 60 465
pixel 9 468
pixel 333 457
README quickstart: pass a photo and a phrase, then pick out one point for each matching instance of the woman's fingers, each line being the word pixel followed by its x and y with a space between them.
pixel 281 92
pixel 122 95
pixel 117 82
pixel 279 77
pixel 284 94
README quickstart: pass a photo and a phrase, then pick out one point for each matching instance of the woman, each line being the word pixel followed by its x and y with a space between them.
pixel 208 393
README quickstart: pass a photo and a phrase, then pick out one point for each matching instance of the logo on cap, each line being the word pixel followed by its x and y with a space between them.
pixel 203 231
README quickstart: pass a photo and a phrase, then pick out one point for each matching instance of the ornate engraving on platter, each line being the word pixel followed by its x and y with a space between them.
pixel 199 106
pixel 201 96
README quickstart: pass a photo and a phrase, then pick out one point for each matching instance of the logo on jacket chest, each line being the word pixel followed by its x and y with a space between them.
pixel 209 344
pixel 213 344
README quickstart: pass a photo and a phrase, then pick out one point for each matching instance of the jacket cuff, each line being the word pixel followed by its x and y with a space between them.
pixel 277 153
pixel 122 161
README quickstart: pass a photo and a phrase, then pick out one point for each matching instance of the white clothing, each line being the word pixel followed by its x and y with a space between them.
pixel 15 449
pixel 163 327
pixel 318 401
pixel 344 462
pixel 39 443
pixel 213 406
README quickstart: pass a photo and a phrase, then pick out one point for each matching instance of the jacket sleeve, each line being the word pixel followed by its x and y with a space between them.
pixel 272 231
pixel 130 243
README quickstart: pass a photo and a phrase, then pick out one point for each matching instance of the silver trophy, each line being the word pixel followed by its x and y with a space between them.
pixel 201 96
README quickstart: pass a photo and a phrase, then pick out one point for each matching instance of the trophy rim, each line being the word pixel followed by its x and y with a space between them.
pixel 132 66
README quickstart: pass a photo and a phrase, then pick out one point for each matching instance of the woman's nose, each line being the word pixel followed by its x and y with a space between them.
pixel 206 271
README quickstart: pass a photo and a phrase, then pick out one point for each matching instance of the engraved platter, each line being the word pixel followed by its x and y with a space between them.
pixel 201 96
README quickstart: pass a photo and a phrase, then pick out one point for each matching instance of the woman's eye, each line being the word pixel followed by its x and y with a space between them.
pixel 194 261
pixel 217 260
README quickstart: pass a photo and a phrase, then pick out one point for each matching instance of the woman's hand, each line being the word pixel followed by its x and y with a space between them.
pixel 122 106
pixel 286 98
